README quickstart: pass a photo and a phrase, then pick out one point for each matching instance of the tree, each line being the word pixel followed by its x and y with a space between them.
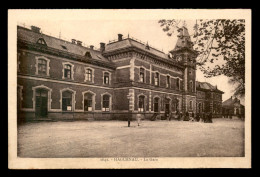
pixel 220 44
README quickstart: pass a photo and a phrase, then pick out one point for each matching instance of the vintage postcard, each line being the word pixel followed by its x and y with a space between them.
pixel 147 88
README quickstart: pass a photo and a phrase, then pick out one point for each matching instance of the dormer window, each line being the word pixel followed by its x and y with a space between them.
pixel 64 47
pixel 41 41
pixel 87 54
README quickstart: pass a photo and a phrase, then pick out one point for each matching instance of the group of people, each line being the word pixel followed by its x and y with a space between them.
pixel 199 117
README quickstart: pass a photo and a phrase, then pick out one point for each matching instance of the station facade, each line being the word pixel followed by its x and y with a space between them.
pixel 58 79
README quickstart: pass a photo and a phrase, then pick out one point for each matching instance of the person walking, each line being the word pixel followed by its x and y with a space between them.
pixel 192 116
pixel 139 116
pixel 210 117
pixel 187 116
pixel 180 116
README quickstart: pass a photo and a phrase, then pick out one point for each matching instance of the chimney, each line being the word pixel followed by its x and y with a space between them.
pixel 120 37
pixel 91 47
pixel 79 43
pixel 73 41
pixel 35 29
pixel 102 46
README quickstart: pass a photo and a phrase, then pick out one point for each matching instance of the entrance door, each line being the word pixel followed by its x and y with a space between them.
pixel 199 107
pixel 41 103
pixel 156 105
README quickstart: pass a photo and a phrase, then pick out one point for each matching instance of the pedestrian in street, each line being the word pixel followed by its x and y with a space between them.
pixel 170 115
pixel 210 117
pixel 192 116
pixel 180 116
pixel 177 115
pixel 197 117
pixel 187 116
pixel 138 116
pixel 203 116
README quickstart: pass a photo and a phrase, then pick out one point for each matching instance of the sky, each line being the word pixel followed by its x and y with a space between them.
pixel 92 32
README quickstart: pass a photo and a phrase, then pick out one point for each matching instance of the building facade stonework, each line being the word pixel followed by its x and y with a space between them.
pixel 58 79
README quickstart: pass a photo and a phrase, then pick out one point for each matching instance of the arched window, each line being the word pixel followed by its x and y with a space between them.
pixel 66 101
pixel 142 75
pixel 141 104
pixel 88 102
pixel 106 103
pixel 156 104
pixel 191 108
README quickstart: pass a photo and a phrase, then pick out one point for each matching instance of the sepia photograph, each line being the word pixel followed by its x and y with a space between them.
pixel 122 89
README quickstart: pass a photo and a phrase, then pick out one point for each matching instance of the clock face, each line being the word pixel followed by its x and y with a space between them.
pixel 179 58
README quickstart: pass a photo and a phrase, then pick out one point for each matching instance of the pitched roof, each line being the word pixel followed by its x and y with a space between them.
pixel 231 102
pixel 52 42
pixel 129 42
pixel 207 86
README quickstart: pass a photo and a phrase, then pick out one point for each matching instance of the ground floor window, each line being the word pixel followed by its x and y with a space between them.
pixel 66 101
pixel 141 104
pixel 156 105
pixel 190 105
pixel 167 106
pixel 41 104
pixel 106 103
pixel 88 102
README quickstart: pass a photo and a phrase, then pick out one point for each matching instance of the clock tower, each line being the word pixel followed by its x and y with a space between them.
pixel 185 55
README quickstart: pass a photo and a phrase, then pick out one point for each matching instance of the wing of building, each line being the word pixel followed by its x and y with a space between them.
pixel 233 107
pixel 60 79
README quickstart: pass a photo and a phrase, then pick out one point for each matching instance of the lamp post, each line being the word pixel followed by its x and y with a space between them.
pixel 129 111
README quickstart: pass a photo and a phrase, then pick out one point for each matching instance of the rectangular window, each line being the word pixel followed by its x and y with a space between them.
pixel 141 104
pixel 67 71
pixel 142 75
pixel 156 105
pixel 105 103
pixel 87 102
pixel 89 75
pixel 106 78
pixel 190 105
pixel 168 82
pixel 42 66
pixel 156 79
pixel 66 101
pixel 178 84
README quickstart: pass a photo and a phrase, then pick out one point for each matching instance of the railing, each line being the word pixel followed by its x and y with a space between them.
pixel 54 35
pixel 137 40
